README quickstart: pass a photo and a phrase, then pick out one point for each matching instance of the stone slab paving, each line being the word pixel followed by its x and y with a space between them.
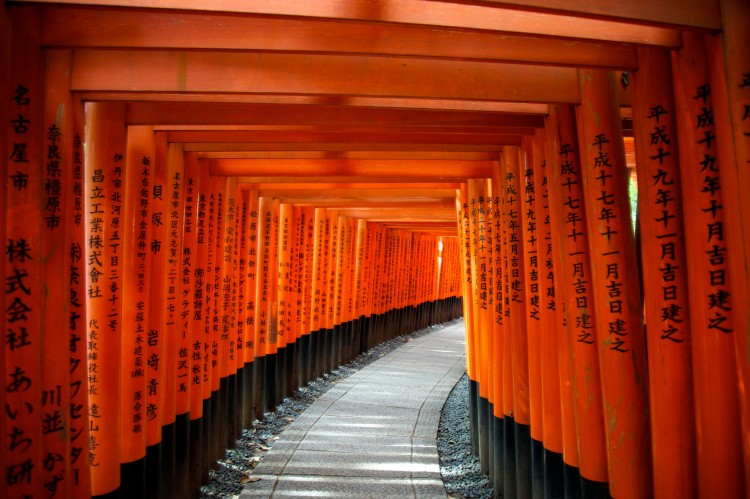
pixel 374 434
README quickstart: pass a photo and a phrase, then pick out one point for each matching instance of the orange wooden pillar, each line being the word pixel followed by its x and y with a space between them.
pixel 729 77
pixel 464 232
pixel 156 316
pixel 664 277
pixel 75 241
pixel 263 297
pixel 105 160
pixel 57 144
pixel 550 326
pixel 197 188
pixel 136 303
pixel 519 480
pixel 174 432
pixel 614 284
pixel 584 444
pixel 717 412
pixel 531 245
pixel 253 376
pixel 217 212
pixel 22 266
pixel 285 295
pixel 359 292
pixel 317 303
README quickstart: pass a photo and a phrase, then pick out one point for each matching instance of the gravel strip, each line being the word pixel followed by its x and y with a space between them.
pixel 460 468
pixel 229 476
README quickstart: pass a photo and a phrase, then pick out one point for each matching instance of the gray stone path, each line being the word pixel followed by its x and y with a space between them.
pixel 373 435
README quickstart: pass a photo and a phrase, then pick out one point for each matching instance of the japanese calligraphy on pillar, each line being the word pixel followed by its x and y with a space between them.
pixel 23 293
pixel 252 274
pixel 76 324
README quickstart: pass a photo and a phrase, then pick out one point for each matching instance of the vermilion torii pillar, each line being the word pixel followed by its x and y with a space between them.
pixel 617 298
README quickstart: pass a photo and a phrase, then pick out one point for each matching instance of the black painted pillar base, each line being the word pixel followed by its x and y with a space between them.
pixel 473 416
pixel 133 478
pixel 269 383
pixel 248 385
pixel 523 460
pixel 498 442
pixel 182 456
pixel 205 440
pixel 196 457
pixel 537 469
pixel 231 407
pixel 554 475
pixel 259 386
pixel 214 447
pixel 484 437
pixel 594 490
pixel 167 475
pixel 153 471
pixel 572 482
pixel 222 423
pixel 509 457
pixel 491 443
pixel 239 404
pixel 280 377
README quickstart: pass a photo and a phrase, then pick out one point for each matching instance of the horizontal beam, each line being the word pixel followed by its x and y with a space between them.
pixel 447 155
pixel 415 12
pixel 300 186
pixel 361 168
pixel 306 137
pixel 167 115
pixel 688 13
pixel 255 181
pixel 382 193
pixel 66 27
pixel 368 203
pixel 323 100
pixel 174 71
pixel 338 148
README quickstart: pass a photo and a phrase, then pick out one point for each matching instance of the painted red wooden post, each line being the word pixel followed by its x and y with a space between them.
pixel 155 336
pixel 617 301
pixel 550 325
pixel 79 388
pixel 136 304
pixel 664 276
pixel 56 222
pixel 23 297
pixel 584 443
pixel 105 183
pixel 530 231
pixel 729 64
pixel 717 412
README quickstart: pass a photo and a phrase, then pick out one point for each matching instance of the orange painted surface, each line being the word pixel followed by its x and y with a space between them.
pixel 729 79
pixel 106 148
pixel 615 287
pixel 218 194
pixel 253 270
pixel 717 411
pixel 665 277
pixel 530 222
pixel 516 294
pixel 136 304
pixel 57 156
pixel 262 296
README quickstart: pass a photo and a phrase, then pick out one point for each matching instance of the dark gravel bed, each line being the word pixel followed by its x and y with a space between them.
pixel 230 474
pixel 460 468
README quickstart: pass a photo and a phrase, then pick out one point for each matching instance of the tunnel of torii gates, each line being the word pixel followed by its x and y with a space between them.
pixel 207 206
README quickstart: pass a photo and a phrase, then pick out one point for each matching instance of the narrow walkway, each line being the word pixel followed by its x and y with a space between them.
pixel 374 435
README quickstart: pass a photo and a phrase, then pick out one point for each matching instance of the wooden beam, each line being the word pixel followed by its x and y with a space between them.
pixel 356 203
pixel 352 185
pixel 396 194
pixel 231 72
pixel 403 155
pixel 334 148
pixel 302 137
pixel 322 100
pixel 688 13
pixel 259 180
pixel 414 12
pixel 188 114
pixel 123 28
pixel 351 168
